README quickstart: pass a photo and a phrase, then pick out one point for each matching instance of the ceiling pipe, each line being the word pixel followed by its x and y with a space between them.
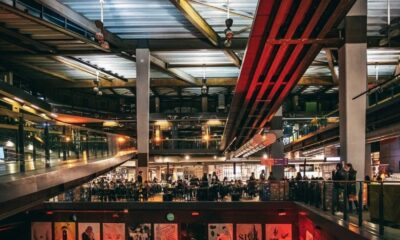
pixel 255 144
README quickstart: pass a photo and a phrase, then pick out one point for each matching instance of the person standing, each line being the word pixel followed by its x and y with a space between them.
pixel 338 175
pixel 351 187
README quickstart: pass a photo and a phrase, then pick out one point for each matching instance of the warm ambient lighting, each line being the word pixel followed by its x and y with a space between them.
pixel 19 100
pixel 195 213
pixel 206 137
pixel 215 156
pixel 282 212
pixel 53 115
pixel 187 157
pixel 121 139
pixel 214 122
pixel 9 144
pixel 302 213
pixel 67 139
pixel 9 100
pixel 265 156
pixel 157 139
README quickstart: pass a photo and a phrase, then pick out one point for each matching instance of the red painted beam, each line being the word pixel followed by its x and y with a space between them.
pixel 337 15
pixel 279 57
pixel 281 16
pixel 295 54
pixel 264 12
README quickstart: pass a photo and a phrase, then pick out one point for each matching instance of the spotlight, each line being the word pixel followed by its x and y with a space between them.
pixel 187 157
pixel 96 89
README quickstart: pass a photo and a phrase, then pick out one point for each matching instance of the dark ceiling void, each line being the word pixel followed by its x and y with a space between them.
pixel 285 39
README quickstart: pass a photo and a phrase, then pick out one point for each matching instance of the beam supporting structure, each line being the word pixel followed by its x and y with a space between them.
pixel 352 81
pixel 143 108
pixel 201 24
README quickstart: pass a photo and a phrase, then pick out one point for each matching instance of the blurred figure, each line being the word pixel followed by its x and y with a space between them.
pixel 351 187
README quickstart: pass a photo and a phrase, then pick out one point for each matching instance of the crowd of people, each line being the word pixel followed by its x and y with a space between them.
pixel 210 188
pixel 207 188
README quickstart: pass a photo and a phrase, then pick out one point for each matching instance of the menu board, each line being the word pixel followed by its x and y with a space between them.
pixel 220 231
pixel 248 232
pixel 165 231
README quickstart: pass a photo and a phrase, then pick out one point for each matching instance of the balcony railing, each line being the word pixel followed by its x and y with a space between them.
pixel 335 197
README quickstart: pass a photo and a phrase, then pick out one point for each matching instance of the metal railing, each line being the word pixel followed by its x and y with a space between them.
pixel 335 197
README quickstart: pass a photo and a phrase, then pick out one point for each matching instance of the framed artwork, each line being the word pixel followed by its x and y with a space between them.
pixel 142 231
pixel 278 231
pixel 88 231
pixel 220 231
pixel 166 231
pixel 41 231
pixel 65 230
pixel 190 231
pixel 248 232
pixel 113 231
pixel 309 236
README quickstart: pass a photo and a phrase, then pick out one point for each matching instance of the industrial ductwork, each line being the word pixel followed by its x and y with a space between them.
pixel 255 144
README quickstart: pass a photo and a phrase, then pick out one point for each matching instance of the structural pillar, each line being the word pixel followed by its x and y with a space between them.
pixel 277 151
pixel 46 145
pixel 353 81
pixel 142 108
pixel 204 103
pixel 21 152
pixel 157 104
pixel 389 153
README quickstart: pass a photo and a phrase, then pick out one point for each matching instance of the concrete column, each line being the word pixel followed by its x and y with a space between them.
pixel 390 153
pixel 20 143
pixel 142 108
pixel 277 151
pixel 46 145
pixel 368 160
pixel 353 81
pixel 157 104
pixel 204 103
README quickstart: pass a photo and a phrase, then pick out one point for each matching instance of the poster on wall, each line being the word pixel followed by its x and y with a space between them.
pixel 193 231
pixel 113 231
pixel 221 231
pixel 248 231
pixel 309 235
pixel 41 231
pixel 141 231
pixel 278 231
pixel 88 231
pixel 64 231
pixel 166 231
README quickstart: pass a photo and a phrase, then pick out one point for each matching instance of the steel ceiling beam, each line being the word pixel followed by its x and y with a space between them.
pixel 39 69
pixel 163 66
pixel 331 65
pixel 79 19
pixel 201 24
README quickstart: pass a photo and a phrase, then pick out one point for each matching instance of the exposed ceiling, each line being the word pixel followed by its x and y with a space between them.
pixel 51 44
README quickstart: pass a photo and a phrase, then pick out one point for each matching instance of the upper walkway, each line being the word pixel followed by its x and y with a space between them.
pixel 21 191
